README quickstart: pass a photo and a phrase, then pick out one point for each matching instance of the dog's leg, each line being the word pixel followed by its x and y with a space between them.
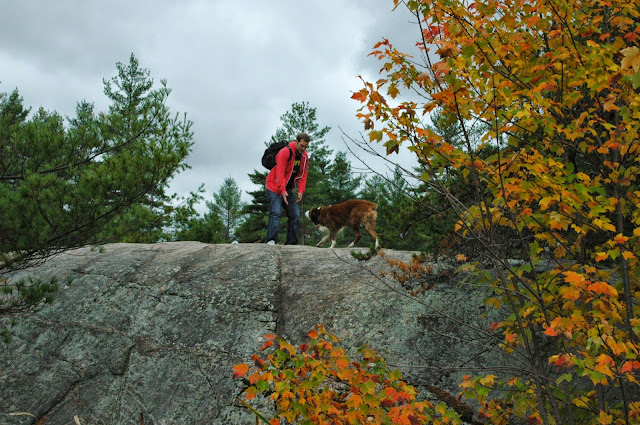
pixel 357 238
pixel 370 227
pixel 323 240
pixel 334 237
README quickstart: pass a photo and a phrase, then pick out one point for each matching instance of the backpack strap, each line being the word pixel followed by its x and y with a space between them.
pixel 290 153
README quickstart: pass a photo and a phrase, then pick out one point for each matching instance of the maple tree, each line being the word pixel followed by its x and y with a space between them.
pixel 318 383
pixel 556 85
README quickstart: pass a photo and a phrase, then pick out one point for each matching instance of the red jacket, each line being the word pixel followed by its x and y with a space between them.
pixel 280 174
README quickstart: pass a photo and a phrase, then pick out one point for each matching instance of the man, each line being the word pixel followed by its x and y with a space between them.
pixel 285 185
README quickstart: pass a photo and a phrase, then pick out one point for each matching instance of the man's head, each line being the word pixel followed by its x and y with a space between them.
pixel 302 142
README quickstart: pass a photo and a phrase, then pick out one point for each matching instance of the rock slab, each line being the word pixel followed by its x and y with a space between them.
pixel 152 331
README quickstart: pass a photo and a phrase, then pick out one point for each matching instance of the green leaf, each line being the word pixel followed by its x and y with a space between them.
pixel 564 377
pixel 262 386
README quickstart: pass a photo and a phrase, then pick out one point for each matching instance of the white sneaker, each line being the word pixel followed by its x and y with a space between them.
pixel 271 242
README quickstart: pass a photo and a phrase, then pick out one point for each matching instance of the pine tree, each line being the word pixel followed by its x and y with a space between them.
pixel 62 184
pixel 139 112
pixel 342 183
pixel 256 212
pixel 228 207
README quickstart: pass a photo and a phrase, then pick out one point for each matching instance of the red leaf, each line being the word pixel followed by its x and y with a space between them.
pixel 266 345
pixel 562 360
pixel 533 420
pixel 259 363
pixel 240 370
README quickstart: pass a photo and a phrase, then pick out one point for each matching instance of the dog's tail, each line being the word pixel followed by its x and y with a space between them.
pixel 371 215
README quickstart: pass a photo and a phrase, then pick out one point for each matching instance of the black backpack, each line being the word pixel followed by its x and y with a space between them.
pixel 269 156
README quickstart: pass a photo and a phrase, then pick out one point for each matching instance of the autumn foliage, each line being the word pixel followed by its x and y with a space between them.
pixel 555 85
pixel 318 383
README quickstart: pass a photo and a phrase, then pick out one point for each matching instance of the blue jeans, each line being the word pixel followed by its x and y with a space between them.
pixel 276 205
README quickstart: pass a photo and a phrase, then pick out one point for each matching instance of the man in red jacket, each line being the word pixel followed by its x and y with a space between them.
pixel 285 185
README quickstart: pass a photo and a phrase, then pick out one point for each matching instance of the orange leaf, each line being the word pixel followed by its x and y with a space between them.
pixel 573 277
pixel 551 331
pixel 254 377
pixel 629 366
pixel 461 257
pixel 603 288
pixel 240 370
pixel 601 256
pixel 532 21
pixel 526 211
pixel 313 334
pixel 422 76
pixel 251 393
pixel 360 95
pixel 342 363
pixel 270 336
pixel 621 239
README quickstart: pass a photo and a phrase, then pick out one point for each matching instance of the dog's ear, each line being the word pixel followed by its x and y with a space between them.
pixel 313 214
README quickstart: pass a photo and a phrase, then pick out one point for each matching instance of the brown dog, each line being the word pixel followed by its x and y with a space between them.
pixel 353 213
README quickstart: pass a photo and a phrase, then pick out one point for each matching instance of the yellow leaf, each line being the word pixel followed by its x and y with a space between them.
pixel 393 91
pixel 605 418
pixel 570 293
pixel 631 58
pixel 487 380
pixel 461 257
pixel 628 255
pixel 544 202
pixel 583 176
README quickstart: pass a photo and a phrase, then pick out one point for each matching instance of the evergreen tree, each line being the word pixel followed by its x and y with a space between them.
pixel 60 185
pixel 342 183
pixel 228 206
pixel 189 226
pixel 133 99
pixel 256 213
pixel 208 229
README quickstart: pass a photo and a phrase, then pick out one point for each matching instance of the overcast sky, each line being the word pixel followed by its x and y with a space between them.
pixel 233 66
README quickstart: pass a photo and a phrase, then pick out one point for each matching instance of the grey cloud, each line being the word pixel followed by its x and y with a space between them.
pixel 234 67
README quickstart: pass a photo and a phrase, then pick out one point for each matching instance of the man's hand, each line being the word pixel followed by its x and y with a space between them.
pixel 299 196
pixel 284 197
